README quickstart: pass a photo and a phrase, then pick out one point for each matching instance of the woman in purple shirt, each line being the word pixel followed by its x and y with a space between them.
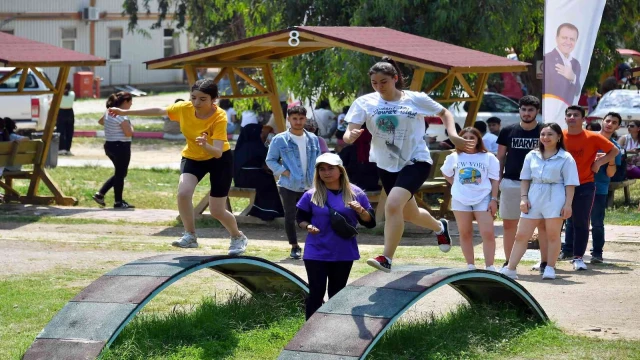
pixel 327 256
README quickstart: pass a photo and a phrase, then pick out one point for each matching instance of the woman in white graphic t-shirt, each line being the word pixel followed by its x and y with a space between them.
pixel 474 177
pixel 395 118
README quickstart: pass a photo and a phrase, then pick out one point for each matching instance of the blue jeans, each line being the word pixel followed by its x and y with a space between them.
pixel 577 227
pixel 597 224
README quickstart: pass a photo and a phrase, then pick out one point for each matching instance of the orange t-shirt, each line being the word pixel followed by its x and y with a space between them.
pixel 584 147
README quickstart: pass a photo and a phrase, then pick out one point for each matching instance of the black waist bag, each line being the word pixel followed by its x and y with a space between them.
pixel 340 225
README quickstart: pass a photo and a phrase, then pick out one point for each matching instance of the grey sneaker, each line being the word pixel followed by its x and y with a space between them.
pixel 595 259
pixel 296 253
pixel 188 240
pixel 238 245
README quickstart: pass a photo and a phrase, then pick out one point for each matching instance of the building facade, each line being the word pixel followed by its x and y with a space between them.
pixel 98 27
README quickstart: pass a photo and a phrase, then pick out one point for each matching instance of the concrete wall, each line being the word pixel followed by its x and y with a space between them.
pixel 43 20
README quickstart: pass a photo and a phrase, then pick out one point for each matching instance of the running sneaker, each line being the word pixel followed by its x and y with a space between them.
pixel 578 264
pixel 238 245
pixel 99 199
pixel 513 274
pixel 471 267
pixel 381 263
pixel 549 273
pixel 188 240
pixel 595 259
pixel 444 240
pixel 296 253
pixel 123 205
pixel 539 267
pixel 490 268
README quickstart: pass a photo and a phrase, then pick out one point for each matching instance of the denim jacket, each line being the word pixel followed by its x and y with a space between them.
pixel 284 155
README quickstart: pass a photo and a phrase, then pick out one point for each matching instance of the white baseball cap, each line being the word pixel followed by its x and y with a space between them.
pixel 329 158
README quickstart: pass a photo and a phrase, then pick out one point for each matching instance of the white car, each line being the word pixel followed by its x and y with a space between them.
pixel 624 102
pixel 28 111
pixel 493 104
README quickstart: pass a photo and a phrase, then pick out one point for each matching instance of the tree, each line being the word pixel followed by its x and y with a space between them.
pixel 489 25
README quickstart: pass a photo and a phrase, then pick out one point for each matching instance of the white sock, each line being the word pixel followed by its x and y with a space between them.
pixel 388 259
pixel 441 228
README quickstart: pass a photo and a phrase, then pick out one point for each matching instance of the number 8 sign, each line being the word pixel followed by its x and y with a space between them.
pixel 294 38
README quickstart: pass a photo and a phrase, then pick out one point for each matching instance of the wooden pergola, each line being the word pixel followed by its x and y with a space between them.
pixel 451 62
pixel 26 55
pixel 635 71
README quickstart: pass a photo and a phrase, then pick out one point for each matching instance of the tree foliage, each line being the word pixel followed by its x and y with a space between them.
pixel 487 25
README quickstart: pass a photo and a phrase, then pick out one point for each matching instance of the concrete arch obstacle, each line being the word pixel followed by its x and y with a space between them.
pixel 350 324
pixel 94 318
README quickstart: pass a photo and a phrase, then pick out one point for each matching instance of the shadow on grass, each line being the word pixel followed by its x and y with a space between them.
pixel 468 332
pixel 260 325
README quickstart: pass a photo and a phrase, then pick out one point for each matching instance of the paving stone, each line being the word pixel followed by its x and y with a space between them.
pixel 337 334
pixel 56 349
pixel 409 281
pixel 120 289
pixel 87 321
pixel 368 301
pixel 298 355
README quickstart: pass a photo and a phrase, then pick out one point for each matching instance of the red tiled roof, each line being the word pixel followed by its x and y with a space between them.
pixel 17 51
pixel 374 40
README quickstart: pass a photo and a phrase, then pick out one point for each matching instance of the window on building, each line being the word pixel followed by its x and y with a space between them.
pixel 7 31
pixel 69 38
pixel 115 43
pixel 169 48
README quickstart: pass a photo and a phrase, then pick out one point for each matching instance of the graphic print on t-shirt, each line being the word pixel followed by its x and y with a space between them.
pixel 387 123
pixel 469 176
pixel 524 143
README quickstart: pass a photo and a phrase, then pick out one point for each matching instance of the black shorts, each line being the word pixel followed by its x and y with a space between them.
pixel 220 172
pixel 410 177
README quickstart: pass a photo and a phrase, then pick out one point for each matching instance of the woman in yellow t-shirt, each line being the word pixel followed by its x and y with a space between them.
pixel 204 125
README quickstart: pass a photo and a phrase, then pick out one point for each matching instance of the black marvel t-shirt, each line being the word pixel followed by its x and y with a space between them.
pixel 518 142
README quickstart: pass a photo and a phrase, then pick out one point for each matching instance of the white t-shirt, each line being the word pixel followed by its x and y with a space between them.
pixel 490 142
pixel 325 119
pixel 472 174
pixel 397 127
pixel 248 117
pixel 301 141
pixel 231 112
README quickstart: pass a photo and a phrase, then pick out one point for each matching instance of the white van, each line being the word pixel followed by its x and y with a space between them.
pixel 28 111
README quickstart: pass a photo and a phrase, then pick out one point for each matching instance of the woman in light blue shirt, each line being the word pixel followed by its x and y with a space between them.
pixel 549 177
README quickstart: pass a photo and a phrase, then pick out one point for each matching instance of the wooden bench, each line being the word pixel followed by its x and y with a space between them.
pixel 613 186
pixel 13 153
pixel 435 184
pixel 30 152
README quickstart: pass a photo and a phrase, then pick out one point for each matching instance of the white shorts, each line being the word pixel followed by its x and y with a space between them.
pixel 481 206
pixel 546 201
pixel 510 199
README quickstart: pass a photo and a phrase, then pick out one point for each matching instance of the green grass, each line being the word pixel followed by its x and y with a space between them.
pixel 144 188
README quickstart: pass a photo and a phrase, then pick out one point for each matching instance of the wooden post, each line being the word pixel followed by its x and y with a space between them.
pixel 474 106
pixel 192 76
pixel 39 172
pixel 233 82
pixel 416 81
pixel 274 98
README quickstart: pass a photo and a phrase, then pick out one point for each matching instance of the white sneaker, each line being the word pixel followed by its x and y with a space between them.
pixel 536 267
pixel 490 268
pixel 549 273
pixel 513 274
pixel 238 245
pixel 471 267
pixel 188 240
pixel 578 264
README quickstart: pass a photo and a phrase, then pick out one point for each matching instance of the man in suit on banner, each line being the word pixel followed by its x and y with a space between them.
pixel 561 70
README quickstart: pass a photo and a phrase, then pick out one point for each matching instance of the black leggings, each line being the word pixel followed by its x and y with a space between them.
pixel 120 154
pixel 64 126
pixel 318 272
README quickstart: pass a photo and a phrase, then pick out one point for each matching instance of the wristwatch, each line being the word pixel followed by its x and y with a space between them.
pixel 494 198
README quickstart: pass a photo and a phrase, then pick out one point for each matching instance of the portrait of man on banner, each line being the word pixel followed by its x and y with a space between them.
pixel 561 70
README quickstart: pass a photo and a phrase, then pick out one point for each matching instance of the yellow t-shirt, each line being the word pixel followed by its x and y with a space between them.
pixel 192 127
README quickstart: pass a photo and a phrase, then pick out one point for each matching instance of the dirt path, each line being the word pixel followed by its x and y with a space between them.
pixel 602 301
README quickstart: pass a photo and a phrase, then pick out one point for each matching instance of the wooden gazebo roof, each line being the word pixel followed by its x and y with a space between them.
pixel 426 55
pixel 26 55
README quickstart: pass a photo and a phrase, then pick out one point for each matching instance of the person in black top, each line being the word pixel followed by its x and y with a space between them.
pixel 514 143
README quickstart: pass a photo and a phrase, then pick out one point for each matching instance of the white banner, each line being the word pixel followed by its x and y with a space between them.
pixel 570 31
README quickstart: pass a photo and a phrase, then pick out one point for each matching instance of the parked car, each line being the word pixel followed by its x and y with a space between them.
pixel 28 111
pixel 493 104
pixel 624 102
